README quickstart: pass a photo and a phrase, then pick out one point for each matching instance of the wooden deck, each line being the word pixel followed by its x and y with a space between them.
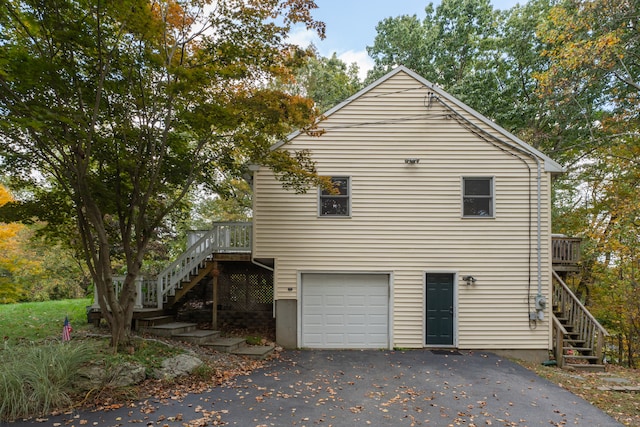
pixel 565 253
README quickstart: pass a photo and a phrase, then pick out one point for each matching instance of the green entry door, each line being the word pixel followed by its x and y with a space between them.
pixel 440 309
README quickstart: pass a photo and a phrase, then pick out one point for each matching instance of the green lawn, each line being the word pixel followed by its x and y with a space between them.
pixel 35 321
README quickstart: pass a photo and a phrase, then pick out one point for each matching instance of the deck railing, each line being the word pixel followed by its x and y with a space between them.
pixel 583 322
pixel 146 292
pixel 565 250
pixel 224 237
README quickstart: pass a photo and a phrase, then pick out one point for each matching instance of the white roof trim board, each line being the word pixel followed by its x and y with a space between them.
pixel 550 165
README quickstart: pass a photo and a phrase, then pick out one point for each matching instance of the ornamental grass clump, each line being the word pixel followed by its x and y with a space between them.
pixel 36 379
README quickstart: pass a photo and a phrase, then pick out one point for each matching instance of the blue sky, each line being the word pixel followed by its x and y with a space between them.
pixel 351 25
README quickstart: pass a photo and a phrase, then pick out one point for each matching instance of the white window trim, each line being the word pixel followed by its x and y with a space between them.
pixel 349 198
pixel 493 197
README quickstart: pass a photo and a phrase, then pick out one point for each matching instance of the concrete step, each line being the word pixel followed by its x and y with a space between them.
pixel 148 322
pixel 622 388
pixel 226 345
pixel 198 336
pixel 259 352
pixel 173 328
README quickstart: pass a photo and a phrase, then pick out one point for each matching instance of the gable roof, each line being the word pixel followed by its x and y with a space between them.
pixel 511 140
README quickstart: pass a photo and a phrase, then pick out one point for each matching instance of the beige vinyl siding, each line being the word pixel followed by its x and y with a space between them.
pixel 407 219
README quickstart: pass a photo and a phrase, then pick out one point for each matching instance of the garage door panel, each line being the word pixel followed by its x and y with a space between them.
pixel 377 319
pixel 334 301
pixel 334 320
pixel 357 319
pixel 345 310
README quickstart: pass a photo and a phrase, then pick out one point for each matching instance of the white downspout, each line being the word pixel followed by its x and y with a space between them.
pixel 254 168
pixel 540 302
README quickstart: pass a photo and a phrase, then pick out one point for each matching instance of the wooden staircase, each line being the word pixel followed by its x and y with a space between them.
pixel 225 240
pixel 578 338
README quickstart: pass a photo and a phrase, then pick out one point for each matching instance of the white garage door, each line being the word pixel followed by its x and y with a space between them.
pixel 345 310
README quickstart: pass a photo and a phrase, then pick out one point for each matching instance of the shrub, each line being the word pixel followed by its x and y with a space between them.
pixel 36 379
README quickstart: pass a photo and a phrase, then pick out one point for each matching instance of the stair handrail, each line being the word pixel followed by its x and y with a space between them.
pixel 594 332
pixel 217 239
pixel 559 333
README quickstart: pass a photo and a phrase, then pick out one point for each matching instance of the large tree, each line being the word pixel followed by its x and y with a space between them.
pixel 328 81
pixel 594 73
pixel 454 46
pixel 111 110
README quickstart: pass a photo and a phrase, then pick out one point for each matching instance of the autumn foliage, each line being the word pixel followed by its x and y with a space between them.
pixel 123 107
pixel 594 75
pixel 10 257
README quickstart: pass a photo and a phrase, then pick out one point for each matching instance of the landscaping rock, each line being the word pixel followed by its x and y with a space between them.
pixel 127 374
pixel 97 376
pixel 176 366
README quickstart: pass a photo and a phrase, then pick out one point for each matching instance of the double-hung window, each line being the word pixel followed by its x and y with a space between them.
pixel 477 197
pixel 336 202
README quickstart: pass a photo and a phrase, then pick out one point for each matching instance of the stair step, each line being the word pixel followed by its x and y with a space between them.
pixel 198 336
pixel 173 328
pixel 149 322
pixel 592 367
pixel 568 340
pixel 259 352
pixel 577 352
pixel 226 345
pixel 580 349
pixel 579 356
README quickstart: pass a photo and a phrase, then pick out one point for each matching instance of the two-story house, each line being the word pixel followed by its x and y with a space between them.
pixel 438 232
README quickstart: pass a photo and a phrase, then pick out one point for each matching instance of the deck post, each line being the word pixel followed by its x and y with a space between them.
pixel 159 294
pixel 214 318
pixel 558 345
pixel 138 304
pixel 96 304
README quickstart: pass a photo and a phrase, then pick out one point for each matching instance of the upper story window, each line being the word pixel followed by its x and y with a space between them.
pixel 336 202
pixel 477 197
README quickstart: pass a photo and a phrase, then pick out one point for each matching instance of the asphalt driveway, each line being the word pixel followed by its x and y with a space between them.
pixel 362 388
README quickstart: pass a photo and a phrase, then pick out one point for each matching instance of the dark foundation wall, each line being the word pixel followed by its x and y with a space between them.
pixel 245 298
pixel 229 319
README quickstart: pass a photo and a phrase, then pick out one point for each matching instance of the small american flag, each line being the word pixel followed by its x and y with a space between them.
pixel 66 330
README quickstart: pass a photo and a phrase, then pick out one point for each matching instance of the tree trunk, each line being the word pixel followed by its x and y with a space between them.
pixel 117 309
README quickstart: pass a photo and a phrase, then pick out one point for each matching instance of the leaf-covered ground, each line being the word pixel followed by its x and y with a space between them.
pixel 592 386
pixel 219 368
pixel 222 368
pixel 148 401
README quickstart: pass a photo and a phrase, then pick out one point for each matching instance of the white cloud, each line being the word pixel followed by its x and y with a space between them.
pixel 302 37
pixel 360 57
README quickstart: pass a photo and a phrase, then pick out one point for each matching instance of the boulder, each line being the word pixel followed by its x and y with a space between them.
pixel 127 374
pixel 96 376
pixel 182 364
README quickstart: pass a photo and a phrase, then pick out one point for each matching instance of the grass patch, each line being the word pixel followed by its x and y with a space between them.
pixel 38 371
pixel 36 321
pixel 254 340
pixel 36 379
